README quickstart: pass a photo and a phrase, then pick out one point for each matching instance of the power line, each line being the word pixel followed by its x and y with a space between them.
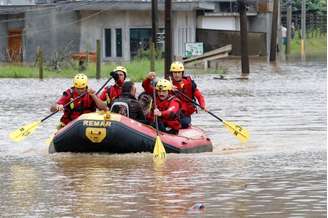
pixel 56 26
pixel 40 15
pixel 37 7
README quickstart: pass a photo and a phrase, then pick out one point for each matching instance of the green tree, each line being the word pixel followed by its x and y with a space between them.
pixel 317 6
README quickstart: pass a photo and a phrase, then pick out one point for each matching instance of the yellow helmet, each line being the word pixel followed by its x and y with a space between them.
pixel 177 67
pixel 164 85
pixel 121 68
pixel 80 81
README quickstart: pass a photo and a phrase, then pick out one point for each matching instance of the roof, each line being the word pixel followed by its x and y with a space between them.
pixel 177 5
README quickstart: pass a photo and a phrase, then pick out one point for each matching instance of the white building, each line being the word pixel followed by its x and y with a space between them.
pixel 123 26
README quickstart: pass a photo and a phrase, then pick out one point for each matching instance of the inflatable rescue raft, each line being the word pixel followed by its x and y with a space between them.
pixel 115 133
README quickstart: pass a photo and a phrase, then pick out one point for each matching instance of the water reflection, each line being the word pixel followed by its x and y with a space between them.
pixel 25 184
pixel 123 184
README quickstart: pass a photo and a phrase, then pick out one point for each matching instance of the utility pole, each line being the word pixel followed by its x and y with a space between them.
pixel 154 21
pixel 98 64
pixel 243 38
pixel 168 37
pixel 154 25
pixel 40 62
pixel 273 43
pixel 303 26
pixel 279 36
pixel 289 24
pixel 152 55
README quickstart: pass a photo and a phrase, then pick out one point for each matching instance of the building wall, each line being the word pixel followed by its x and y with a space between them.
pixel 184 30
pixel 218 23
pixel 92 28
pixel 17 2
pixel 16 22
pixel 53 30
pixel 214 39
pixel 3 37
pixel 255 24
pixel 262 23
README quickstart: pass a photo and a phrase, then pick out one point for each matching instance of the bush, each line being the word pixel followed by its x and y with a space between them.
pixel 145 54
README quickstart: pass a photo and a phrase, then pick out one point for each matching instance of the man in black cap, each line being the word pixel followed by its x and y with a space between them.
pixel 127 104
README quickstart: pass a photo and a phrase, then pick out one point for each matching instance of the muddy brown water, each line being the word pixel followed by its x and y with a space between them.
pixel 280 172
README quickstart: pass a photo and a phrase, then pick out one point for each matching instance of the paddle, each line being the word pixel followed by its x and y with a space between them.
pixel 26 130
pixel 241 133
pixel 159 150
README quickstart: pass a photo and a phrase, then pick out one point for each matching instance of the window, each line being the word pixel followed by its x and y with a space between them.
pixel 108 43
pixel 139 40
pixel 118 42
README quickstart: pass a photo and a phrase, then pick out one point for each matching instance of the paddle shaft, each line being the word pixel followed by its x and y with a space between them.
pixel 236 130
pixel 159 149
pixel 156 120
pixel 195 103
pixel 78 97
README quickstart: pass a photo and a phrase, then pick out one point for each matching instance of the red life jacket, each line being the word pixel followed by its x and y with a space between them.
pixel 170 118
pixel 110 93
pixel 187 86
pixel 81 106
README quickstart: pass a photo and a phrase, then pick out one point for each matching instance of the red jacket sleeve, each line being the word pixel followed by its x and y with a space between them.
pixel 146 84
pixel 199 97
pixel 172 109
pixel 64 99
pixel 150 117
pixel 103 96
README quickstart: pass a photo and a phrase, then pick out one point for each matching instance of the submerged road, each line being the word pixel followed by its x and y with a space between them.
pixel 280 172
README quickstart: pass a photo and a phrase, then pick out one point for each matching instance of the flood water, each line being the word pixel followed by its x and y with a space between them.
pixel 280 172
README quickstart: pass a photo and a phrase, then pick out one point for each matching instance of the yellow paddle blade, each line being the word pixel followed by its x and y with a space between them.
pixel 241 133
pixel 159 150
pixel 24 131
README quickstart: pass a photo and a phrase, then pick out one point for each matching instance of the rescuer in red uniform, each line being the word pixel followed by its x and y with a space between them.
pixel 86 104
pixel 189 88
pixel 110 93
pixel 183 84
pixel 167 108
pixel 167 104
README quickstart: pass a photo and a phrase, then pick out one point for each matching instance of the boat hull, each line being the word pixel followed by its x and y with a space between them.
pixel 95 132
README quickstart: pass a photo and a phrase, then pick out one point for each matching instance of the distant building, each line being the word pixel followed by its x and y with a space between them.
pixel 124 27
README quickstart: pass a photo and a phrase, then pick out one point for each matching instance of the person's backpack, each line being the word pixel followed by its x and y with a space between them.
pixel 120 108
pixel 146 102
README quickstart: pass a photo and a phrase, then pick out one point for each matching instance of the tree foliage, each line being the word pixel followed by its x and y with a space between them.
pixel 311 5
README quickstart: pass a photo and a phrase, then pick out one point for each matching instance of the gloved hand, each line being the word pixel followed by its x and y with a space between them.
pixel 151 75
pixel 91 91
pixel 157 112
pixel 154 82
pixel 114 75
pixel 59 107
